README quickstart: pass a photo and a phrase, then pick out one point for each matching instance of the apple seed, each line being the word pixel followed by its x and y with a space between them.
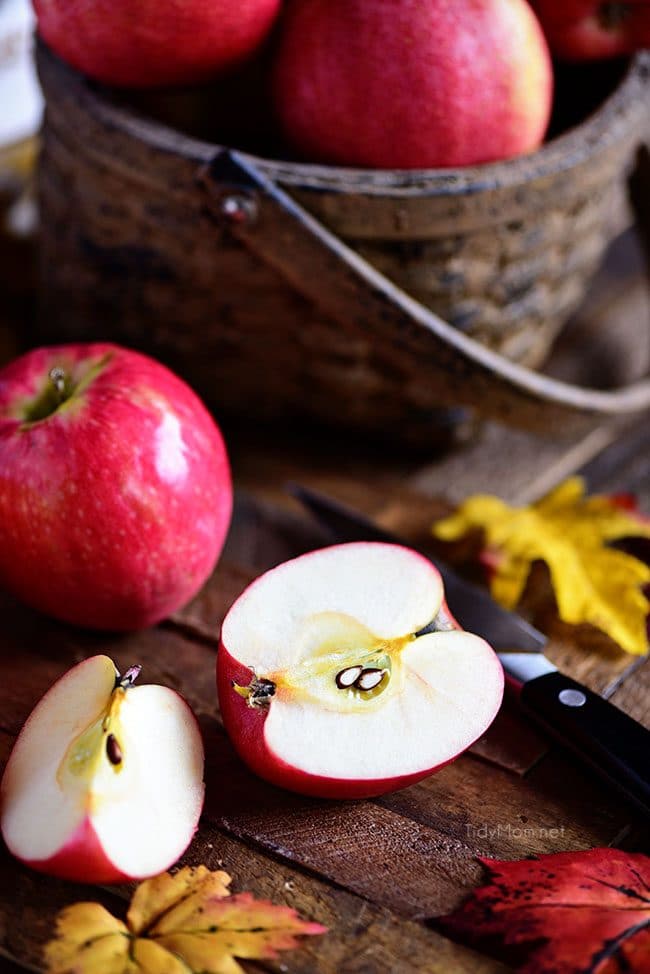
pixel 369 678
pixel 348 677
pixel 113 750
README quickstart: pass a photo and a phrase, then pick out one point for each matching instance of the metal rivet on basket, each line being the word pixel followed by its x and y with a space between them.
pixel 238 209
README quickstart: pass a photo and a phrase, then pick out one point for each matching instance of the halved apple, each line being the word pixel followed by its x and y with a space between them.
pixel 341 674
pixel 105 781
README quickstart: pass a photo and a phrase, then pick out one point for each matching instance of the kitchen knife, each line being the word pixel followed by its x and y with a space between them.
pixel 615 745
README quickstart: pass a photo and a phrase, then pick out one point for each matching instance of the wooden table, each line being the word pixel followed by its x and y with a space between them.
pixel 377 873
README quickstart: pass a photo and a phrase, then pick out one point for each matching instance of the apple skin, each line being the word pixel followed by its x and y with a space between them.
pixel 160 44
pixel 114 508
pixel 81 860
pixel 585 30
pixel 245 728
pixel 407 84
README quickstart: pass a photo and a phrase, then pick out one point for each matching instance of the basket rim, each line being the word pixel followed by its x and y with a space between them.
pixel 620 115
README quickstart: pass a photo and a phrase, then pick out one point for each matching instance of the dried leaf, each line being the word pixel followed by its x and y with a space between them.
pixel 88 939
pixel 592 582
pixel 240 926
pixel 182 924
pixel 571 913
pixel 167 895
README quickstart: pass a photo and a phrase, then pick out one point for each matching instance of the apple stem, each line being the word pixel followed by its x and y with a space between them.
pixel 129 677
pixel 57 378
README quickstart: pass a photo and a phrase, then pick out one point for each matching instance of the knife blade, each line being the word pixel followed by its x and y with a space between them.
pixel 613 744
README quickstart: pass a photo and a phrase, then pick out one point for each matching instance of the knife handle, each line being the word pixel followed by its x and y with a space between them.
pixel 615 745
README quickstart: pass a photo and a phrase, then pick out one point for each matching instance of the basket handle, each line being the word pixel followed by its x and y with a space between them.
pixel 318 265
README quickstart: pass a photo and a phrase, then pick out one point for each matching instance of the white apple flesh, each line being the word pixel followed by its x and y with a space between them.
pixel 105 782
pixel 327 689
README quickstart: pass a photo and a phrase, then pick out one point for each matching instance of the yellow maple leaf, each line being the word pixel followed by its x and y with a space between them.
pixel 181 924
pixel 592 582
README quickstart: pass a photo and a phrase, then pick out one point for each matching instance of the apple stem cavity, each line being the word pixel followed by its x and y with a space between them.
pixel 258 694
pixel 57 390
pixel 613 13
pixel 57 377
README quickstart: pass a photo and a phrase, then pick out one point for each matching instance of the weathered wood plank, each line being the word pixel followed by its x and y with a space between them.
pixel 504 816
pixel 363 938
pixel 378 854
pixel 34 653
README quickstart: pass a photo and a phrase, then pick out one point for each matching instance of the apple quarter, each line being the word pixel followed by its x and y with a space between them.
pixel 105 781
pixel 328 684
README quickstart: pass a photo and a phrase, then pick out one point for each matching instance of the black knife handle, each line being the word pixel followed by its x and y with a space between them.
pixel 614 744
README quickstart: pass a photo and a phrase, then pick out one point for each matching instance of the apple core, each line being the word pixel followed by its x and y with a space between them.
pixel 100 740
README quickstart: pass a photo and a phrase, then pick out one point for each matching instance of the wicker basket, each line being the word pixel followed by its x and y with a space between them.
pixel 367 299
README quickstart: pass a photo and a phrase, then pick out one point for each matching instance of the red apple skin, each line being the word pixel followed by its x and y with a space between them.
pixel 81 860
pixel 408 84
pixel 114 509
pixel 245 727
pixel 157 44
pixel 585 30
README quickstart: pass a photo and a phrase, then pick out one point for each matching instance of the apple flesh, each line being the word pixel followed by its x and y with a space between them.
pixel 407 84
pixel 341 674
pixel 155 44
pixel 115 491
pixel 584 30
pixel 105 782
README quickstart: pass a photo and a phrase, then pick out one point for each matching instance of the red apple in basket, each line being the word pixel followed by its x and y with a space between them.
pixel 154 43
pixel 328 684
pixel 115 492
pixel 411 84
pixel 105 781
pixel 583 30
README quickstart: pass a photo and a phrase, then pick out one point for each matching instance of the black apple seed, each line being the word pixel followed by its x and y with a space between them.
pixel 369 679
pixel 347 678
pixel 113 750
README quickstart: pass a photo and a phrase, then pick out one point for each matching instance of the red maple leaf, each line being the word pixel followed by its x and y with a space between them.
pixel 572 913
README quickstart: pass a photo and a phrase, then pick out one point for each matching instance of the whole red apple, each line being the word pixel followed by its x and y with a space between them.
pixel 154 43
pixel 411 84
pixel 583 30
pixel 115 491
